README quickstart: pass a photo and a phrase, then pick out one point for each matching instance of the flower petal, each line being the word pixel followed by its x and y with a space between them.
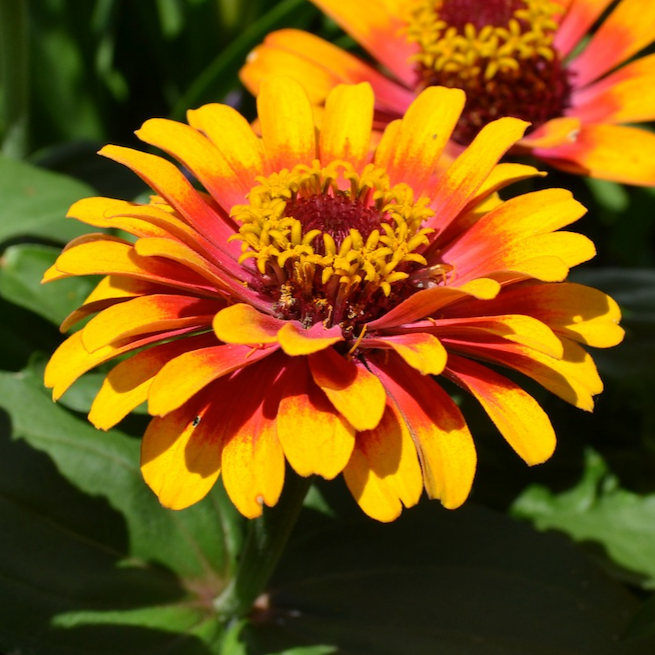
pixel 319 66
pixel 315 438
pixel 555 132
pixel 170 184
pixel 427 302
pixel 104 255
pixel 287 123
pixel 574 377
pixel 607 152
pixel 183 377
pixel 252 459
pixel 373 26
pixel 455 188
pixel 147 314
pixel 296 340
pixel 628 29
pixel 198 155
pixel 439 431
pixel 351 388
pixel 516 414
pixel 243 324
pixel 346 130
pixel 383 473
pixel 518 328
pixel 579 18
pixel 420 350
pixel 625 96
pixel 422 137
pixel 127 384
pixel 572 310
pixel 181 453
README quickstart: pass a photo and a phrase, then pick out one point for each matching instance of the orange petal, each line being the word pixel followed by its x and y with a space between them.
pixel 287 123
pixel 571 310
pixel 127 384
pixel 628 29
pixel 437 427
pixel 516 414
pixel 183 377
pixel 579 18
pixel 346 129
pixel 318 66
pixel 552 133
pixel 104 255
pixel 607 152
pixel 296 340
pixel 109 291
pixel 242 323
pixel 144 315
pixel 422 137
pixel 351 388
pixel 181 453
pixel 315 438
pixel 170 184
pixel 518 328
pixel 200 156
pixel 383 473
pixel 253 460
pixel 573 378
pixel 420 350
pixel 457 186
pixel 71 360
pixel 377 28
pixel 233 136
pixel 427 302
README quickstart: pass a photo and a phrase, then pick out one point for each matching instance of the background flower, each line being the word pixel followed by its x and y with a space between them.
pixel 525 58
pixel 297 308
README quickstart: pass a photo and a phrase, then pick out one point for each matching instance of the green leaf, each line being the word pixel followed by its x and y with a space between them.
pixel 199 543
pixel 598 510
pixel 68 581
pixel 469 582
pixel 21 270
pixel 35 202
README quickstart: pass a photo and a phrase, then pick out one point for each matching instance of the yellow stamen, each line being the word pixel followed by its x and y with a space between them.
pixel 276 240
pixel 488 51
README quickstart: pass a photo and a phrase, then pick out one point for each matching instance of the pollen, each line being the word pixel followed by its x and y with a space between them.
pixel 499 51
pixel 330 244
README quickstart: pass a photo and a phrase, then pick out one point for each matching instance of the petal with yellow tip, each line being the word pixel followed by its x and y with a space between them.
pixel 315 438
pixel 383 473
pixel 350 386
pixel 517 415
pixel 438 429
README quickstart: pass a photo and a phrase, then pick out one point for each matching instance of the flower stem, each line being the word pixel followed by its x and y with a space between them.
pixel 265 542
pixel 15 78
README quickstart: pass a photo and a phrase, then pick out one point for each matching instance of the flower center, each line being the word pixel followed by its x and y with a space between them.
pixel 331 245
pixel 498 51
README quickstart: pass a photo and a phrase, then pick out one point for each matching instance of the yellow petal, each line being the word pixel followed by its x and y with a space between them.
pixel 516 414
pixel 242 323
pixel 383 473
pixel 315 438
pixel 346 130
pixel 351 388
pixel 296 340
pixel 287 123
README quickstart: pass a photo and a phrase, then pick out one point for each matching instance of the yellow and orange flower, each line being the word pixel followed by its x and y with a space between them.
pixel 520 58
pixel 297 308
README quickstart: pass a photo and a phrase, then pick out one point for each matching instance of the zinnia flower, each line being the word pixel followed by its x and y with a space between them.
pixel 297 308
pixel 520 58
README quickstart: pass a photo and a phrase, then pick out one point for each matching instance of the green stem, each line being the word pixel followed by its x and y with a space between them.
pixel 14 76
pixel 265 542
